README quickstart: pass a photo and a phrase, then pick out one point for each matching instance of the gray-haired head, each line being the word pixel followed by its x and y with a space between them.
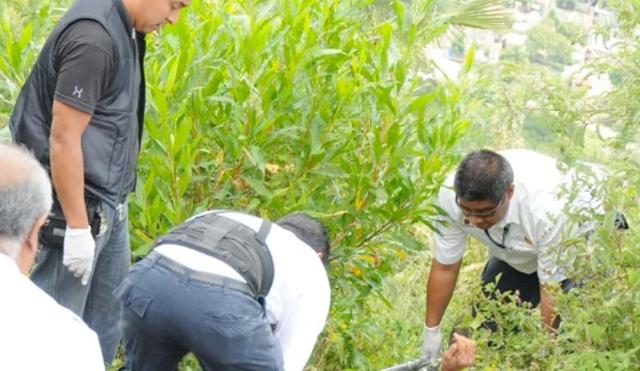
pixel 483 175
pixel 25 196
pixel 310 230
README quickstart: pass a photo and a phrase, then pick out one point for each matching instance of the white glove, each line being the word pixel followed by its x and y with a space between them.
pixel 79 251
pixel 432 343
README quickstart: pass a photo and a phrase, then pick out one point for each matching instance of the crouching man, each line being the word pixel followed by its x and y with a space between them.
pixel 239 292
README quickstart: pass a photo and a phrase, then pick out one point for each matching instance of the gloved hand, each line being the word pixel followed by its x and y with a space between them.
pixel 432 343
pixel 79 251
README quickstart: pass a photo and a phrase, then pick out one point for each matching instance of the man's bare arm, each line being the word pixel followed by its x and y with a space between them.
pixel 440 287
pixel 550 318
pixel 67 166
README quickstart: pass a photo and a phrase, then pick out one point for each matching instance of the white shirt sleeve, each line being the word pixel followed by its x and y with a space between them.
pixel 450 244
pixel 450 239
pixel 302 321
pixel 552 250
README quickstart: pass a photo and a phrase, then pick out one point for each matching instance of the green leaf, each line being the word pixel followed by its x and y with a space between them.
pixel 13 55
pixel 26 37
pixel 161 104
pixel 183 130
pixel 483 14
pixel 400 11
pixel 173 71
pixel 328 51
pixel 419 104
pixel 258 187
pixel 470 57
pixel 258 159
pixel 411 243
pixel 595 332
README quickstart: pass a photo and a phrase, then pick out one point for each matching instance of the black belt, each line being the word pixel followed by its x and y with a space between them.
pixel 205 277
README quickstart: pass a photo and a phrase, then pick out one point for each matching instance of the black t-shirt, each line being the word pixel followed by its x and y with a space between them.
pixel 84 59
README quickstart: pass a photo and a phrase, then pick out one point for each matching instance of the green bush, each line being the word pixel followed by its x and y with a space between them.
pixel 515 54
pixel 572 31
pixel 548 47
pixel 272 106
pixel 275 106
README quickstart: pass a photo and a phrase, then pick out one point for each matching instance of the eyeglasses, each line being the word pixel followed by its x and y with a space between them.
pixel 481 214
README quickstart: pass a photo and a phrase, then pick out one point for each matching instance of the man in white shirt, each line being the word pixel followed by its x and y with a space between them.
pixel 237 291
pixel 35 332
pixel 511 202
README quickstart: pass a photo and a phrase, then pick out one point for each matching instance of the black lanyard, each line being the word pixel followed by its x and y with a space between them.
pixel 505 232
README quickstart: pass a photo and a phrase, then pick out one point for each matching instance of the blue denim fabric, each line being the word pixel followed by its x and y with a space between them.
pixel 166 315
pixel 94 302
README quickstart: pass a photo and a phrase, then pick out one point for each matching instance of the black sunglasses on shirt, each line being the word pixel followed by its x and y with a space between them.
pixel 505 232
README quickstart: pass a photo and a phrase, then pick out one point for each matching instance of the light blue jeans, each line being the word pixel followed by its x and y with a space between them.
pixel 94 302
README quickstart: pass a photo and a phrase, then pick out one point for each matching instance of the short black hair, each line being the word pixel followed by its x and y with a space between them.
pixel 310 231
pixel 483 175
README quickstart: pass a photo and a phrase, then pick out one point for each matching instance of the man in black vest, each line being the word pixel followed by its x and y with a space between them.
pixel 81 113
pixel 237 291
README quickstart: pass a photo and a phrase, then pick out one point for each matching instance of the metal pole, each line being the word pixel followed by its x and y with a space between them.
pixel 413 366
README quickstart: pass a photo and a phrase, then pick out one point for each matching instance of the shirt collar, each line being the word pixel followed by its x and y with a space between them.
pixel 512 215
pixel 124 15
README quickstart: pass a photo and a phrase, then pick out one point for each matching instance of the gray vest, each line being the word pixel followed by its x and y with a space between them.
pixel 231 242
pixel 111 142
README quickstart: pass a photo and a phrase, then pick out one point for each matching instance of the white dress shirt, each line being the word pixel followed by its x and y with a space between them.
pixel 299 300
pixel 536 219
pixel 36 333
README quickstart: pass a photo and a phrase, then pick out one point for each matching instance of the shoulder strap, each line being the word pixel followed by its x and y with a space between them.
pixel 263 232
pixel 268 270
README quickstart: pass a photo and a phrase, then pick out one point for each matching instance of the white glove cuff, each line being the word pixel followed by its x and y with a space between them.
pixel 431 329
pixel 77 231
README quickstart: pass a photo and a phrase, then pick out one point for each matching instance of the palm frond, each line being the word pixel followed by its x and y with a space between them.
pixel 482 14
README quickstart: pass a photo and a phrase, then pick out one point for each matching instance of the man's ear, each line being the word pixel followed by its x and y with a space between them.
pixel 32 241
pixel 320 255
pixel 510 191
pixel 29 248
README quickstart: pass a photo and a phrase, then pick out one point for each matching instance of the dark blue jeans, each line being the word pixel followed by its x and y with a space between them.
pixel 94 302
pixel 165 315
